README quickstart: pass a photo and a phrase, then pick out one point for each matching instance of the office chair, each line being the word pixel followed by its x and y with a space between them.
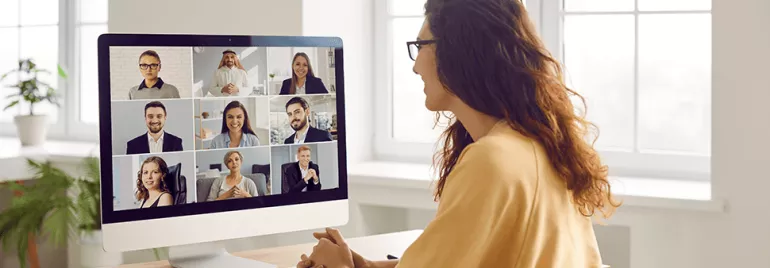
pixel 177 184
pixel 264 170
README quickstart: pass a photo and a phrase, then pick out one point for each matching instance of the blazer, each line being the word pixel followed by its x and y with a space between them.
pixel 140 145
pixel 313 85
pixel 313 135
pixel 292 181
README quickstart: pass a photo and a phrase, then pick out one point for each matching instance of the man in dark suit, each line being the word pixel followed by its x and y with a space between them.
pixel 298 110
pixel 302 175
pixel 155 140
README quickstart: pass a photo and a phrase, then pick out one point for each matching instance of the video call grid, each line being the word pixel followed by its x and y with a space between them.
pixel 149 67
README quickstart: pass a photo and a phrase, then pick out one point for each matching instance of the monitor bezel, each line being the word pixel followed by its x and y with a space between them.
pixel 106 41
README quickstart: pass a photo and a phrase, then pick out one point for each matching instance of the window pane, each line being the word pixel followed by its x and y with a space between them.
pixel 41 43
pixel 89 69
pixel 411 120
pixel 598 5
pixel 9 13
pixel 39 12
pixel 658 5
pixel 674 82
pixel 407 8
pixel 9 57
pixel 93 11
pixel 599 59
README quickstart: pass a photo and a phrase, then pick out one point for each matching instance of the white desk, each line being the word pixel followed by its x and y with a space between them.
pixel 375 247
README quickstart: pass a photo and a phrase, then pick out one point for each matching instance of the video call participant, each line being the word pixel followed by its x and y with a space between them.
pixel 230 78
pixel 298 110
pixel 234 185
pixel 302 80
pixel 236 129
pixel 302 175
pixel 152 87
pixel 151 183
pixel 155 140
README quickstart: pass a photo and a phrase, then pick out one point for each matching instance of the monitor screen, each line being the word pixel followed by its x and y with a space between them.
pixel 203 124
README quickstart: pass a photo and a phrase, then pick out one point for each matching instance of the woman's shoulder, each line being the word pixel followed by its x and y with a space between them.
pixel 504 158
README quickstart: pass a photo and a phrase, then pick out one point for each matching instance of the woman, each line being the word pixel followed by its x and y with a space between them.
pixel 234 185
pixel 151 183
pixel 236 129
pixel 518 183
pixel 302 81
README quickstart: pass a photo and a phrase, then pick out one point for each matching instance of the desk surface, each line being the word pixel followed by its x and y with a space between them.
pixel 374 247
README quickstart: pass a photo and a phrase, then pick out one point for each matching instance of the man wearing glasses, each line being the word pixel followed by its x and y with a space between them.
pixel 152 87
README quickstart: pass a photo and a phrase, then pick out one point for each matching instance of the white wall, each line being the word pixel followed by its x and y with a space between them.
pixel 242 17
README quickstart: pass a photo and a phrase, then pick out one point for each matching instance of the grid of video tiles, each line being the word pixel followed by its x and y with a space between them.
pixel 202 124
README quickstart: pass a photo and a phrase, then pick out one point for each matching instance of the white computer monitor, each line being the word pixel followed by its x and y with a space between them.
pixel 206 138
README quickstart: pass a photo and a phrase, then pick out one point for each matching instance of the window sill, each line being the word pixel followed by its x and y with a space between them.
pixel 13 156
pixel 408 185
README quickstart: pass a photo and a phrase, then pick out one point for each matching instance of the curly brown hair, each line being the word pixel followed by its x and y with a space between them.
pixel 489 55
pixel 141 192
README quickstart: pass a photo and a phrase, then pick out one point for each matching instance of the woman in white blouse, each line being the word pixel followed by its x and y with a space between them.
pixel 234 185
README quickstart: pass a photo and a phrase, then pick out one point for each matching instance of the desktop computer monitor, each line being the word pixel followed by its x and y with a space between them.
pixel 211 137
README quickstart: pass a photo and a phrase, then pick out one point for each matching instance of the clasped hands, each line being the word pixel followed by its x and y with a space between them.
pixel 237 193
pixel 230 88
pixel 331 252
pixel 311 174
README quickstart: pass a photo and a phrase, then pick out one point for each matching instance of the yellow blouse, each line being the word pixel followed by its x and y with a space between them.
pixel 505 206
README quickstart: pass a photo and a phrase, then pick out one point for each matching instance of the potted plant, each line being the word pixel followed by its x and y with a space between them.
pixel 272 76
pixel 59 207
pixel 32 128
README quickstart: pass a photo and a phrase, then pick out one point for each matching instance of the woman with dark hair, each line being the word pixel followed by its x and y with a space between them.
pixel 303 80
pixel 236 129
pixel 151 183
pixel 518 182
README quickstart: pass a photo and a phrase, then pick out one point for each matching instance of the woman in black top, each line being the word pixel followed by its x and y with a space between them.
pixel 303 80
pixel 151 184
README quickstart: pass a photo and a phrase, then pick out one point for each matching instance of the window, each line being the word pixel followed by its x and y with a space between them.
pixel 55 33
pixel 644 67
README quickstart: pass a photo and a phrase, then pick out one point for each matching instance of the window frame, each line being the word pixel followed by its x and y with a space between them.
pixel 547 16
pixel 68 126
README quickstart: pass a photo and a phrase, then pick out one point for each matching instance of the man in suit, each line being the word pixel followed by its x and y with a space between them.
pixel 302 175
pixel 155 140
pixel 298 111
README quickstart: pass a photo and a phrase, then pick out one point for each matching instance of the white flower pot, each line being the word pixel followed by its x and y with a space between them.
pixel 32 129
pixel 92 253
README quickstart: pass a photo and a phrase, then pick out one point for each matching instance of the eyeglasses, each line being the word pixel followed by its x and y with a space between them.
pixel 151 66
pixel 415 46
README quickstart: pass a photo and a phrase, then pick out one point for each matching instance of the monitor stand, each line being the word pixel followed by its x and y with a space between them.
pixel 209 255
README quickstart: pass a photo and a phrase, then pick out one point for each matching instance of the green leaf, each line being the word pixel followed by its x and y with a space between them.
pixel 62 73
pixel 58 224
pixel 13 103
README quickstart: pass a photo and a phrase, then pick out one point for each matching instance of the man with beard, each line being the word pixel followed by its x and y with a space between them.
pixel 230 78
pixel 298 111
pixel 156 140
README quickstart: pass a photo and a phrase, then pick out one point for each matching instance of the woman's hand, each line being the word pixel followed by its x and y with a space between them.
pixel 227 195
pixel 329 252
pixel 240 193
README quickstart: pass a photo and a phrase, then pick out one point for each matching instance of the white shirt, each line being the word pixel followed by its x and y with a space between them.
pixel 301 89
pixel 224 76
pixel 156 147
pixel 304 173
pixel 299 139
